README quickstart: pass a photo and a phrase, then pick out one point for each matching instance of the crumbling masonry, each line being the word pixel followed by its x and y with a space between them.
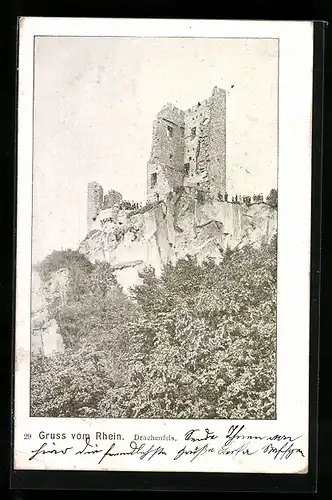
pixel 98 202
pixel 189 148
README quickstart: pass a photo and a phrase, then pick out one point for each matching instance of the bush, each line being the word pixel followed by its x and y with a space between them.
pixel 197 342
pixel 60 259
pixel 207 339
pixel 272 198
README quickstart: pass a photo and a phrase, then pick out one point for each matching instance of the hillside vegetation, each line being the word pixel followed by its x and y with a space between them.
pixel 197 342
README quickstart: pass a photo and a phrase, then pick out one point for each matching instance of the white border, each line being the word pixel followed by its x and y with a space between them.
pixel 294 213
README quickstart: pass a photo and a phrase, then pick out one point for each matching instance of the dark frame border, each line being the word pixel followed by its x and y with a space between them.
pixel 62 480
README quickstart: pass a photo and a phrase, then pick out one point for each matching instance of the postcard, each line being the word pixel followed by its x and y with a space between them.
pixel 163 245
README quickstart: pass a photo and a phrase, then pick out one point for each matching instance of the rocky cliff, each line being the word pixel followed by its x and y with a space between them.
pixel 45 335
pixel 187 222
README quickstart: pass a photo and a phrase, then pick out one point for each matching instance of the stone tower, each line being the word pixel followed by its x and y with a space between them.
pixel 189 148
pixel 205 144
pixel 165 167
pixel 95 201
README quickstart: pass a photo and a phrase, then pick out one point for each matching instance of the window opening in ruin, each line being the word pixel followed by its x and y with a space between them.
pixel 186 168
pixel 169 131
pixel 153 179
pixel 170 156
pixel 193 132
pixel 189 158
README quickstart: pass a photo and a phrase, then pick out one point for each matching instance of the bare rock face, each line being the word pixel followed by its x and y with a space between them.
pixel 185 223
pixel 45 336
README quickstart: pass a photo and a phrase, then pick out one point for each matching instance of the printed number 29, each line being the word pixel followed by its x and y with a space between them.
pixel 27 436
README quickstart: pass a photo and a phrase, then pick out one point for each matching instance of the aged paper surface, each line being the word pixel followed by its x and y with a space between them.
pixel 163 245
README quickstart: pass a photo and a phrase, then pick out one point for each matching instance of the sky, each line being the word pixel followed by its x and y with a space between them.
pixel 94 103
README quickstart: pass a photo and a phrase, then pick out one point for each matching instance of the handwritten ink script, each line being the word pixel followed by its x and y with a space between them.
pixel 237 442
pixel 195 444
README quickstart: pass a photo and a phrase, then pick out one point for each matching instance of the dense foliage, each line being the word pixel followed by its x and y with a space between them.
pixel 197 342
pixel 272 198
pixel 60 259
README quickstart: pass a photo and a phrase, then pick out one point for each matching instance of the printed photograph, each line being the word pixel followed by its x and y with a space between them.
pixel 154 228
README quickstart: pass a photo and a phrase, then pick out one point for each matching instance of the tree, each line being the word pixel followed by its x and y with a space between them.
pixel 92 323
pixel 197 342
pixel 205 342
pixel 272 198
pixel 71 384
pixel 59 259
pixel 96 304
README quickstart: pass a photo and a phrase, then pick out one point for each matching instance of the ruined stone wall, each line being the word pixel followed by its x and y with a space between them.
pixel 205 144
pixel 217 146
pixel 95 201
pixel 196 144
pixel 189 148
pixel 165 167
pixel 112 198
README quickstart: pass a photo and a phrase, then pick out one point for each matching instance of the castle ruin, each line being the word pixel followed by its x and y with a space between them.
pixel 188 210
pixel 98 203
pixel 189 148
